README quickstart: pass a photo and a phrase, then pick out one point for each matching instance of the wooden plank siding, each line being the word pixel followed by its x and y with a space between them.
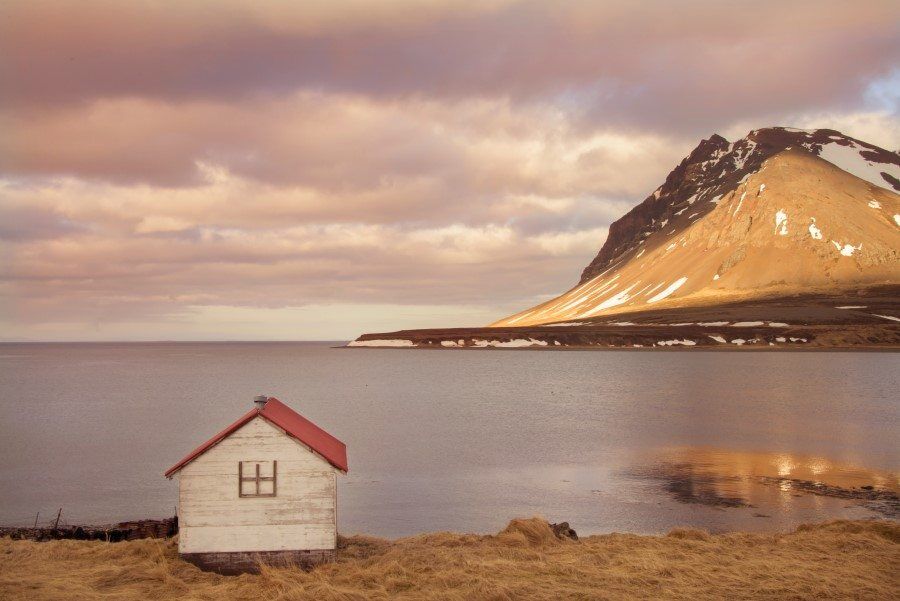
pixel 213 518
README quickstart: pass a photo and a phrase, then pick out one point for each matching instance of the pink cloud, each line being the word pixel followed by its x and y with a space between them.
pixel 162 160
pixel 650 62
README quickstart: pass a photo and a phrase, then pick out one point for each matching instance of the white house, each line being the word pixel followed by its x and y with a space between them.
pixel 263 489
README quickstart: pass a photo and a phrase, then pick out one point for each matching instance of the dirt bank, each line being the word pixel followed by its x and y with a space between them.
pixel 837 560
pixel 861 320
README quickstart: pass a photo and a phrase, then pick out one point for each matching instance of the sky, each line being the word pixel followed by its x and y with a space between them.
pixel 314 170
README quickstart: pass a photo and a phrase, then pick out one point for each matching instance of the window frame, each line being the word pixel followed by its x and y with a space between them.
pixel 257 478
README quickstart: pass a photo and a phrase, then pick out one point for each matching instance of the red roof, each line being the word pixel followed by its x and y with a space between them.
pixel 294 424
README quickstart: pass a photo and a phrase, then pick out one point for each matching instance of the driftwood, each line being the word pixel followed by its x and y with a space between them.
pixel 111 533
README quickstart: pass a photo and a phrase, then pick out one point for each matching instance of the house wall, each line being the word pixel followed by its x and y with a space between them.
pixel 213 518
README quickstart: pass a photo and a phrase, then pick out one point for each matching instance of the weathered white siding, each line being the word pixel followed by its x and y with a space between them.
pixel 213 518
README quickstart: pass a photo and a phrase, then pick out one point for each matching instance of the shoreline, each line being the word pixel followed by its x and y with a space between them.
pixel 803 322
pixel 877 495
pixel 110 533
pixel 673 349
pixel 525 560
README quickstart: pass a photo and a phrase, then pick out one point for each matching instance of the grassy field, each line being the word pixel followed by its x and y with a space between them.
pixel 837 560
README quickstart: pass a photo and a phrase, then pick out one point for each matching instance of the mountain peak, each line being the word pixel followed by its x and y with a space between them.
pixel 798 223
pixel 716 167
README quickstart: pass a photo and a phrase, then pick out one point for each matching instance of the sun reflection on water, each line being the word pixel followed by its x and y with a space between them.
pixel 726 478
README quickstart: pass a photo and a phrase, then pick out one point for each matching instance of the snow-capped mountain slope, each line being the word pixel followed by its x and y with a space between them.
pixel 778 213
pixel 716 167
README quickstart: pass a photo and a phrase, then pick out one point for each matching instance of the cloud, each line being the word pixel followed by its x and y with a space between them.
pixel 523 191
pixel 337 144
pixel 159 224
pixel 684 69
pixel 20 223
pixel 229 322
pixel 195 169
pixel 124 277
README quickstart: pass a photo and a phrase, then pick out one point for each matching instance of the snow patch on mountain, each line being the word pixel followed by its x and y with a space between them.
pixel 846 249
pixel 684 342
pixel 890 317
pixel 382 343
pixel 668 291
pixel 612 301
pixel 814 231
pixel 515 343
pixel 848 158
pixel 781 222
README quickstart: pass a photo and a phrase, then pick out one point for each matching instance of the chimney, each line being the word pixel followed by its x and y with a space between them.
pixel 260 401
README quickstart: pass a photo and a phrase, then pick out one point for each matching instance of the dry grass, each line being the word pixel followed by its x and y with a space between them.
pixel 837 560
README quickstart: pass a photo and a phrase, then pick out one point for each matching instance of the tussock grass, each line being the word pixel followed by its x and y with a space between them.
pixel 836 560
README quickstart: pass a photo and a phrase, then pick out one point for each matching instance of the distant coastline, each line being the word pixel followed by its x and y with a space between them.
pixel 861 321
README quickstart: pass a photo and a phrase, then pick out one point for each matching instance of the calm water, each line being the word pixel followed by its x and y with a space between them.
pixel 461 440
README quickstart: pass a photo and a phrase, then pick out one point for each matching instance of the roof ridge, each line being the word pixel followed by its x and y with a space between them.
pixel 292 423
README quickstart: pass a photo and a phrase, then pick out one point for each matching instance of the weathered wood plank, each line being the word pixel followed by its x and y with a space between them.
pixel 255 538
pixel 310 518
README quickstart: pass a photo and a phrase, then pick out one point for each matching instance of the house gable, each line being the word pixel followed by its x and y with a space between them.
pixel 259 440
pixel 291 423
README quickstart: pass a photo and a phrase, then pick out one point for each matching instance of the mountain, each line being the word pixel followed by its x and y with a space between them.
pixel 717 167
pixel 786 237
pixel 778 213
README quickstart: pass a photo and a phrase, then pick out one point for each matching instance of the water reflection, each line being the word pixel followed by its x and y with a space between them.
pixel 726 478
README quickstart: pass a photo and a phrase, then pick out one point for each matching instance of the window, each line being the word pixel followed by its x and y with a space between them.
pixel 257 478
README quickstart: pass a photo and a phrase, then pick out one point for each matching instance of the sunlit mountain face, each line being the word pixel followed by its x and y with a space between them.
pixel 777 213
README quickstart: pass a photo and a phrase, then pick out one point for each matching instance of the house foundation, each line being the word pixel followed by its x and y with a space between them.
pixel 231 563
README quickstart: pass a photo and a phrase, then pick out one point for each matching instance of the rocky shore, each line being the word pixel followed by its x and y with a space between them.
pixel 111 533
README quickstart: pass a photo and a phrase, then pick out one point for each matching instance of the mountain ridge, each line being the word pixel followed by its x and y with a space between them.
pixel 697 175
pixel 697 217
pixel 786 238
